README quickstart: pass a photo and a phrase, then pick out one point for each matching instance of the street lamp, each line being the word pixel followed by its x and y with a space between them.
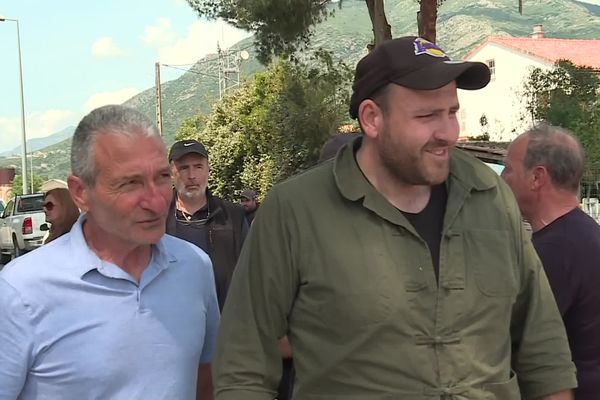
pixel 23 136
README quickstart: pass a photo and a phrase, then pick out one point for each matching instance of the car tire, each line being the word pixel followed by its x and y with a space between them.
pixel 5 258
pixel 17 251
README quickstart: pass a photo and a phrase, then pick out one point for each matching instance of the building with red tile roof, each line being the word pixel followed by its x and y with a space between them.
pixel 581 52
pixel 511 60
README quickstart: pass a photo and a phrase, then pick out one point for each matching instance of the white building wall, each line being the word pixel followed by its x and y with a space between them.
pixel 501 101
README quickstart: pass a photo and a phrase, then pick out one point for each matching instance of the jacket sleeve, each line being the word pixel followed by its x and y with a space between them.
pixel 541 355
pixel 247 362
pixel 16 342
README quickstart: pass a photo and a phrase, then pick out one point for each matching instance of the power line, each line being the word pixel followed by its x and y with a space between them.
pixel 209 58
pixel 191 70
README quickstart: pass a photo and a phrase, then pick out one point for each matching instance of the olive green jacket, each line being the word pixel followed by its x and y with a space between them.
pixel 332 264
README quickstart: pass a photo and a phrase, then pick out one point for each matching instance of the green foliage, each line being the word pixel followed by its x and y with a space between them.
pixel 485 135
pixel 280 27
pixel 190 127
pixel 568 96
pixel 273 126
pixel 17 184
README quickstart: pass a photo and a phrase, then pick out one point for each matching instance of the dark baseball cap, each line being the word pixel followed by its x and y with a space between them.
pixel 183 147
pixel 248 194
pixel 414 63
pixel 336 142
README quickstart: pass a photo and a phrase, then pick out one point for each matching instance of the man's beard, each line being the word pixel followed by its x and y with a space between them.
pixel 191 194
pixel 409 166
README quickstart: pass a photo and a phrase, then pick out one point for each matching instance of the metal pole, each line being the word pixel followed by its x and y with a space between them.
pixel 31 165
pixel 23 135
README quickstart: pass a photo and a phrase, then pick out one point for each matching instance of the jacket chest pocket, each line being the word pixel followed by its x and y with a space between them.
pixel 491 259
pixel 351 289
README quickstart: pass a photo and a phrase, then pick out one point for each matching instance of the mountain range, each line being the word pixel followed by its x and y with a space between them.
pixel 462 24
pixel 41 143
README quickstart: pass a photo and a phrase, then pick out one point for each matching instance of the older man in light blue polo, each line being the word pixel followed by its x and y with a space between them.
pixel 115 309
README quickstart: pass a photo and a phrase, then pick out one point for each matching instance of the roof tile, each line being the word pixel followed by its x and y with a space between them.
pixel 582 52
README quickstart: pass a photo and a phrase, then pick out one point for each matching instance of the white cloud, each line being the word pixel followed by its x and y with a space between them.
pixel 104 98
pixel 105 47
pixel 201 39
pixel 159 34
pixel 37 124
pixel 10 133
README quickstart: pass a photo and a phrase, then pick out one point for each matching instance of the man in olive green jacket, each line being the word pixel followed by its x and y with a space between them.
pixel 399 271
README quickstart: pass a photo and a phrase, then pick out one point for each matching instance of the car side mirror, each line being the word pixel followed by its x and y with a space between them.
pixel 44 227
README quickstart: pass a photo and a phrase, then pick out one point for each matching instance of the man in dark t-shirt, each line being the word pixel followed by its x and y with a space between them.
pixel 543 168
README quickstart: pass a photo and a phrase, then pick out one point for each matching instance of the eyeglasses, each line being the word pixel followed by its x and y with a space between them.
pixel 48 205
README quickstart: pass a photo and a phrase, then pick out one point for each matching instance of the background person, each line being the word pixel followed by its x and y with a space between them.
pixel 249 201
pixel 215 225
pixel 544 167
pixel 61 212
pixel 334 144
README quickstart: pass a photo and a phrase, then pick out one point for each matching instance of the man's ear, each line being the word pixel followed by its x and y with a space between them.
pixel 371 118
pixel 79 192
pixel 539 177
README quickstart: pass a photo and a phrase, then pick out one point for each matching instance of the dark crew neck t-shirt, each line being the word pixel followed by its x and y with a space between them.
pixel 430 221
pixel 569 248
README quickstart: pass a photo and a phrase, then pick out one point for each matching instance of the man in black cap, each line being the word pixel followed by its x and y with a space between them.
pixel 249 201
pixel 400 270
pixel 215 225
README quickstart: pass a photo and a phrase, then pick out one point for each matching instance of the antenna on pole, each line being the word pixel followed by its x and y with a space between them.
pixel 159 120
pixel 229 69
pixel 220 62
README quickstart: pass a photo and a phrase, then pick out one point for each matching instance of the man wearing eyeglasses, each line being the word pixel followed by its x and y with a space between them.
pixel 215 225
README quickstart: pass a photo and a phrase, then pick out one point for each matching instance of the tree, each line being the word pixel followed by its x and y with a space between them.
pixel 282 27
pixel 427 19
pixel 273 126
pixel 17 184
pixel 485 135
pixel 567 96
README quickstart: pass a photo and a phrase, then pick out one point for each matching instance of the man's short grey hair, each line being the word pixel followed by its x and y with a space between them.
pixel 559 152
pixel 111 119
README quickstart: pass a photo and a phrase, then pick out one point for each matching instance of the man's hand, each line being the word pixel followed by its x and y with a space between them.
pixel 285 348
pixel 204 389
pixel 564 395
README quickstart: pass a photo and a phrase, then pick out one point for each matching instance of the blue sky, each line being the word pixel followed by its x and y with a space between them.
pixel 78 55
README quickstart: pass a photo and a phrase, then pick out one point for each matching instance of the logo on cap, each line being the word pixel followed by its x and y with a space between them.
pixel 188 144
pixel 423 46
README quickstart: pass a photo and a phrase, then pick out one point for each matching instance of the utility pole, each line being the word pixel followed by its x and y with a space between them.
pixel 159 120
pixel 229 68
pixel 31 165
pixel 23 135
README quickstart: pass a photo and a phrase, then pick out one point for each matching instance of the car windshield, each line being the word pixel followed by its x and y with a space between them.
pixel 498 168
pixel 31 203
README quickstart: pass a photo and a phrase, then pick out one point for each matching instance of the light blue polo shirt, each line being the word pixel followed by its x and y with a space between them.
pixel 75 327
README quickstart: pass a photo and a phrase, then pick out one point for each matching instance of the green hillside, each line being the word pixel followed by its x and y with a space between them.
pixel 462 24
